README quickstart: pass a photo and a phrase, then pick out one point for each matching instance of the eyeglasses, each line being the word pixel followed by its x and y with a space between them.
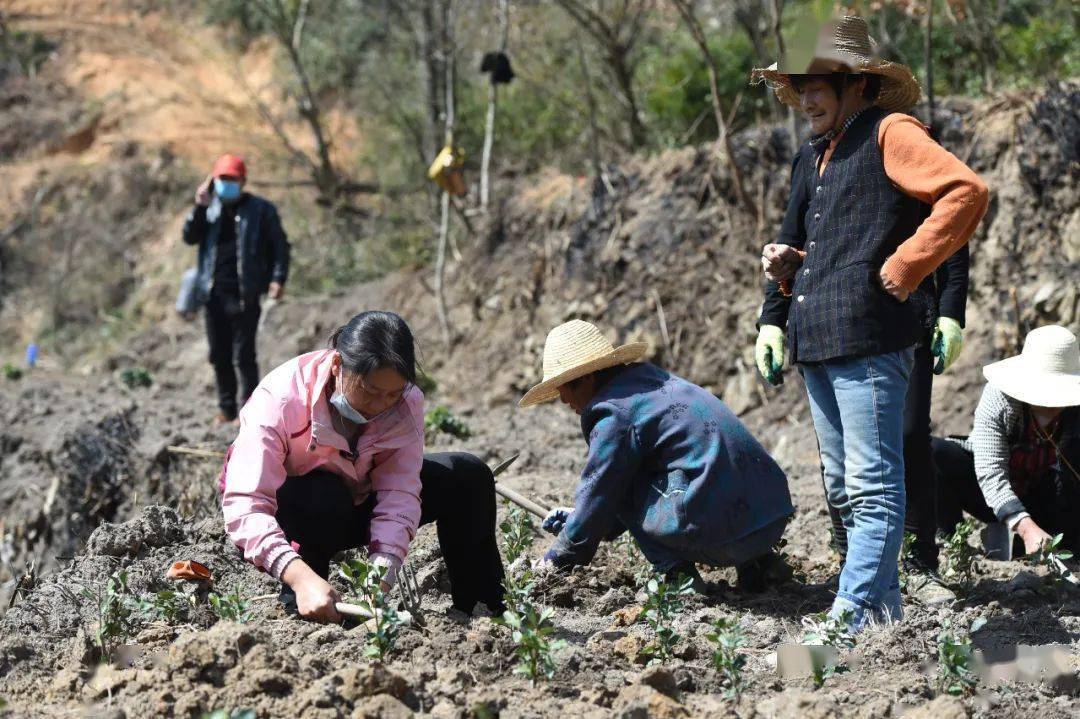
pixel 375 394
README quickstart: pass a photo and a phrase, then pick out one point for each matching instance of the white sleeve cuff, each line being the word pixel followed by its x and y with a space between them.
pixel 1014 519
pixel 391 562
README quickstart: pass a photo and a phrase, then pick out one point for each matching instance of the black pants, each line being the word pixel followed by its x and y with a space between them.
pixel 317 512
pixel 1053 503
pixel 230 331
pixel 920 516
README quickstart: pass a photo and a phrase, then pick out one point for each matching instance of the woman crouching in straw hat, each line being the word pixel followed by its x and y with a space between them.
pixel 1021 464
pixel 875 207
pixel 668 462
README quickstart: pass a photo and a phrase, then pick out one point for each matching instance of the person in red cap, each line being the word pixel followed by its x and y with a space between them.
pixel 243 255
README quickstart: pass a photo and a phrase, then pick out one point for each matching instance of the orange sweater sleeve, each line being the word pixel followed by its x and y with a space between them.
pixel 925 170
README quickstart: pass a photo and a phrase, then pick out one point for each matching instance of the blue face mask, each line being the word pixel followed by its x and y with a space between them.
pixel 227 190
pixel 346 410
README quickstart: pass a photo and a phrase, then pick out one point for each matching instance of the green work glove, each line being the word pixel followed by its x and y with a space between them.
pixel 948 339
pixel 769 354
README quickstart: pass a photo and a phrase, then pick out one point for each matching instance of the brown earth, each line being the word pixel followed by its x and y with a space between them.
pixel 87 485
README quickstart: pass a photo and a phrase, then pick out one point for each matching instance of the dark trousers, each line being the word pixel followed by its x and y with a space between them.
pixel 919 478
pixel 1053 503
pixel 458 493
pixel 230 331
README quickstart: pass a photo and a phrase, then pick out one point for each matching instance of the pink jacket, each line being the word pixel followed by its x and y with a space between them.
pixel 285 431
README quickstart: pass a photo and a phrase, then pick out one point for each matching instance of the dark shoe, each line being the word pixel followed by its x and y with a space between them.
pixel 766 571
pixel 287 597
pixel 687 569
pixel 225 417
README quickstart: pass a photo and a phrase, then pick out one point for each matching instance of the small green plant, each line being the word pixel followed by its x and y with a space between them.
pixel 117 612
pixel 822 630
pixel 426 382
pixel 728 637
pixel 517 533
pixel 365 580
pixel 167 605
pixel 530 628
pixel 134 377
pixel 232 606
pixel 956 675
pixel 11 372
pixel 958 567
pixel 442 421
pixel 663 601
pixel 1052 557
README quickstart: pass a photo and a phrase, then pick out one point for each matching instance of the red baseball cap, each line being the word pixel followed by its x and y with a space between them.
pixel 232 165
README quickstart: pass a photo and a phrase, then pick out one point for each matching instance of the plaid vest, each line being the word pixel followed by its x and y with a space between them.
pixel 854 219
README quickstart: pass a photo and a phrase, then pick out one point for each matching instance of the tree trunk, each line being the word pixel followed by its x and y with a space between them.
pixel 493 99
pixel 686 10
pixel 448 138
pixel 777 17
pixel 624 77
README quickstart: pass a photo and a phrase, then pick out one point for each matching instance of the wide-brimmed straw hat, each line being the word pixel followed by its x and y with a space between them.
pixel 573 350
pixel 1045 374
pixel 843 45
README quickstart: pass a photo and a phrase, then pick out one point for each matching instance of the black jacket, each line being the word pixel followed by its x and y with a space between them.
pixel 262 249
pixel 849 220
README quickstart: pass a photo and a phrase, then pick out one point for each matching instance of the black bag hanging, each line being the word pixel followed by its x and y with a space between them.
pixel 498 64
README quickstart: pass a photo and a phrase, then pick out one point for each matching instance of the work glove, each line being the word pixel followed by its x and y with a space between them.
pixel 948 339
pixel 556 519
pixel 391 563
pixel 769 354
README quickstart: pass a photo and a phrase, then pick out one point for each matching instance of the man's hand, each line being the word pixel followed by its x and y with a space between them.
pixel 1032 534
pixel 899 293
pixel 781 261
pixel 275 291
pixel 315 598
pixel 948 339
pixel 202 195
pixel 769 354
pixel 556 519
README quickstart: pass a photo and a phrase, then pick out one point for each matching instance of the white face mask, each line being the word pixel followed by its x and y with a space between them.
pixel 346 410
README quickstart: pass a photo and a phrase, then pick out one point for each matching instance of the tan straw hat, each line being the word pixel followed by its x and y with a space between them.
pixel 844 45
pixel 573 350
pixel 1045 374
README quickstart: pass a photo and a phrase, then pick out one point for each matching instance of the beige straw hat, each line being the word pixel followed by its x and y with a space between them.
pixel 573 350
pixel 842 44
pixel 1045 374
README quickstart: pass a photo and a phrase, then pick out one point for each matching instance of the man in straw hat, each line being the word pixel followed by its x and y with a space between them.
pixel 668 462
pixel 875 207
pixel 1021 464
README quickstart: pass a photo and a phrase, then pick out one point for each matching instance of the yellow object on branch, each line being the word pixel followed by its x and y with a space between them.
pixel 448 170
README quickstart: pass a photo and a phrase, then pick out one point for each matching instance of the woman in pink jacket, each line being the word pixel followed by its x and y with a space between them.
pixel 330 456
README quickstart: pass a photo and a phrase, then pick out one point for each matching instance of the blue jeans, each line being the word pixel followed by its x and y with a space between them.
pixel 858 410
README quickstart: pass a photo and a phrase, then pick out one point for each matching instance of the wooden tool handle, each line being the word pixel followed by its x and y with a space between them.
pixel 355 610
pixel 523 502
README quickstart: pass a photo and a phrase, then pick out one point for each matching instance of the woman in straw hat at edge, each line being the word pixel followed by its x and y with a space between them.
pixel 1021 464
pixel 875 207
pixel 667 461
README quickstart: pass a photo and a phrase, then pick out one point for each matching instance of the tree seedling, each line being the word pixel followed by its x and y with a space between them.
pixel 232 606
pixel 906 548
pixel 958 567
pixel 663 601
pixel 11 372
pixel 167 605
pixel 517 533
pixel 365 580
pixel 956 675
pixel 728 637
pixel 530 629
pixel 134 377
pixel 824 630
pixel 117 610
pixel 442 421
pixel 1052 557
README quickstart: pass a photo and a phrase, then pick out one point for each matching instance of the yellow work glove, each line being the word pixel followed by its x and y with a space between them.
pixel 769 354
pixel 948 339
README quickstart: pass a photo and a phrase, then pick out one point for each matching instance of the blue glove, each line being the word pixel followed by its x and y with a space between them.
pixel 556 519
